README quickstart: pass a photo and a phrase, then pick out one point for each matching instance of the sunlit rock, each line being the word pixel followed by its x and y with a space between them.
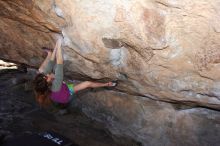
pixel 165 51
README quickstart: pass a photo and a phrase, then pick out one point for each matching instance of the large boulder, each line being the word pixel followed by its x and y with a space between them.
pixel 152 123
pixel 164 51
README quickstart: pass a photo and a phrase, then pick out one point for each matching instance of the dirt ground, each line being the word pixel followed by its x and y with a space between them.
pixel 20 114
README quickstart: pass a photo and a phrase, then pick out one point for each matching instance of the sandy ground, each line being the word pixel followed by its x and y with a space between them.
pixel 20 114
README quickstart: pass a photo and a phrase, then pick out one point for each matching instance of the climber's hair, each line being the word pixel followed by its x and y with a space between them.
pixel 42 89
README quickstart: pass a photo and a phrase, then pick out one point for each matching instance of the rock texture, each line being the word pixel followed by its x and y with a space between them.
pixel 164 51
pixel 153 123
pixel 25 28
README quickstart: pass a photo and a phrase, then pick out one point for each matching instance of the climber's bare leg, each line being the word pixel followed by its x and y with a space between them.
pixel 89 84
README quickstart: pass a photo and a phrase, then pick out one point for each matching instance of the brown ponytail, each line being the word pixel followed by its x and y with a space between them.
pixel 43 99
pixel 42 90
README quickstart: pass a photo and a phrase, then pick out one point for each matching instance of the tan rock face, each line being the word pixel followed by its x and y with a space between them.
pixel 165 50
pixel 25 28
pixel 152 123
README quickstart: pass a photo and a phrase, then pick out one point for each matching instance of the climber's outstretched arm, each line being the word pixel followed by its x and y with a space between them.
pixel 48 63
pixel 53 55
pixel 59 54
pixel 43 67
pixel 57 82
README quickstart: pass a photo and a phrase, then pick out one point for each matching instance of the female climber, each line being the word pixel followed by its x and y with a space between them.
pixel 50 87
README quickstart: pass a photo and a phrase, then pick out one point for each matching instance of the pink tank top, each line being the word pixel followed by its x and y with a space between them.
pixel 61 96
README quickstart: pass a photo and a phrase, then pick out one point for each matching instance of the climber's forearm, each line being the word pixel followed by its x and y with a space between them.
pixel 59 55
pixel 44 66
pixel 53 55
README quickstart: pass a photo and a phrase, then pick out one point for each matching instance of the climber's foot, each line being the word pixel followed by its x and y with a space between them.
pixel 112 83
